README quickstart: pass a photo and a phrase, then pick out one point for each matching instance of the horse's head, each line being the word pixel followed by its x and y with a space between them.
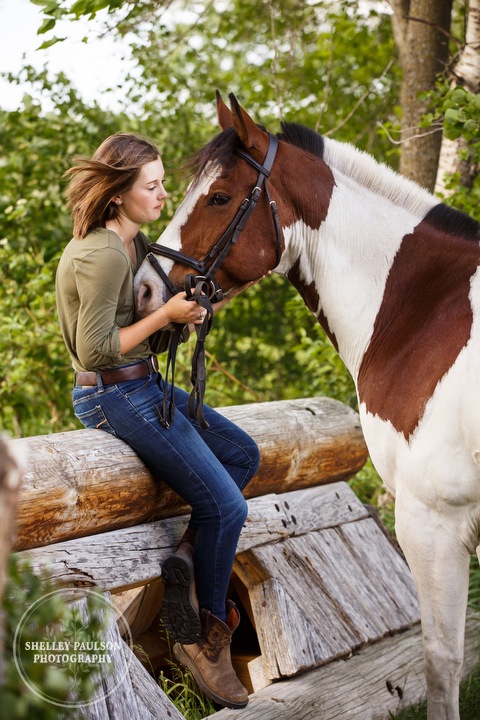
pixel 212 234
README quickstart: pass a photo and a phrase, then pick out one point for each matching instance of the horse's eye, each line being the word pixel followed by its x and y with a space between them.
pixel 218 199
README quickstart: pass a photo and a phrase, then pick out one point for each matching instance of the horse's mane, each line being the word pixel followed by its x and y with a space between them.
pixel 303 138
pixel 401 191
pixel 219 150
pixel 361 167
pixel 354 164
pixel 382 180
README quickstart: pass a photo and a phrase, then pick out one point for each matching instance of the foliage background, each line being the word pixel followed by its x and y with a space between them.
pixel 332 66
pixel 328 65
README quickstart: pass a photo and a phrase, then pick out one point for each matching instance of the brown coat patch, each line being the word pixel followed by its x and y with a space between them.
pixel 423 323
pixel 311 299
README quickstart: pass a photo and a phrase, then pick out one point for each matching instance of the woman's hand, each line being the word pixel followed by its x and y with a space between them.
pixel 177 310
pixel 180 310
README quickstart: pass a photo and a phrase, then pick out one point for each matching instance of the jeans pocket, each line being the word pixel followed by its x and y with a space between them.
pixel 95 418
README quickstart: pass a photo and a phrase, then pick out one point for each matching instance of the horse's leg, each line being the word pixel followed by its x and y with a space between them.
pixel 439 562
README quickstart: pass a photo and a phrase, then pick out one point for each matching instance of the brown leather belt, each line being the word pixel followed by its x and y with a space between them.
pixel 109 377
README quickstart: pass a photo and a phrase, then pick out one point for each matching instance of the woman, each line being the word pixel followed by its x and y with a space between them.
pixel 117 388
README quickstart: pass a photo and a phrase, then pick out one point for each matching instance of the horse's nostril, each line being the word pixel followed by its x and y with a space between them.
pixel 144 294
pixel 144 297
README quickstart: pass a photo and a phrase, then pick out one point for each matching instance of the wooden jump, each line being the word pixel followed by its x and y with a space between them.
pixel 83 482
pixel 321 584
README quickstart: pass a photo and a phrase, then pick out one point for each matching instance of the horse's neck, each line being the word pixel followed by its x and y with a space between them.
pixel 341 268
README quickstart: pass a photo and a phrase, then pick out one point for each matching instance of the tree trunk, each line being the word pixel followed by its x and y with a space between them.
pixel 421 30
pixel 466 73
pixel 11 473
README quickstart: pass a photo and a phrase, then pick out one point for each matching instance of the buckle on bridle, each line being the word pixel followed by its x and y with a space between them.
pixel 198 285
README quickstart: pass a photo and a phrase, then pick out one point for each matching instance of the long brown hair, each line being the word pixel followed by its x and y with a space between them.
pixel 95 182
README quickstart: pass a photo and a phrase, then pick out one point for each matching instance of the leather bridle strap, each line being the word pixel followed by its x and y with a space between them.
pixel 203 288
pixel 198 378
pixel 229 237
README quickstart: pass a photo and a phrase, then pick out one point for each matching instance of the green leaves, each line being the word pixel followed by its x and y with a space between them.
pixel 325 65
pixel 47 24
pixel 461 114
pixel 37 611
pixel 457 112
pixel 37 146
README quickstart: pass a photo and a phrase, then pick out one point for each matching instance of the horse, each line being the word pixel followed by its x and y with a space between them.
pixel 392 275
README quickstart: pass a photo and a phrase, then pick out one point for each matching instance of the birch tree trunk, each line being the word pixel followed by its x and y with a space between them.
pixel 454 156
pixel 421 29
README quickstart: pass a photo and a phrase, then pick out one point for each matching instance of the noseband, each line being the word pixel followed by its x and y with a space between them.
pixel 203 287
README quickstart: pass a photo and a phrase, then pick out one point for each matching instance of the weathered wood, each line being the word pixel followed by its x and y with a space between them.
pixel 380 679
pixel 149 694
pixel 322 577
pixel 131 557
pixel 129 691
pixel 86 481
pixel 128 603
pixel 321 595
pixel 257 678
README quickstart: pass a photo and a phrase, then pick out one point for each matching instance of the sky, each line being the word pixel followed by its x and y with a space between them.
pixel 91 67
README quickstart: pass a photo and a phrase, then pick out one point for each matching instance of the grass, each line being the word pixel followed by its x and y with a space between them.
pixel 178 684
pixel 180 687
pixel 469 702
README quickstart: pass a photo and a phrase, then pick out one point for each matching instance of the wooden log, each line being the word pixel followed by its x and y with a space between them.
pixel 129 692
pixel 86 481
pixel 132 557
pixel 377 682
pixel 322 578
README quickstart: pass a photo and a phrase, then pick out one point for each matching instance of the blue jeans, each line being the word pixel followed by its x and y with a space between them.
pixel 208 468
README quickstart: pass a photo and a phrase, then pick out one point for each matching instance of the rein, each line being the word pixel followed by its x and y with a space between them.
pixel 204 289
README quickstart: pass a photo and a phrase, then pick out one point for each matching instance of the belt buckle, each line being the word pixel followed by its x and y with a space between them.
pixel 154 363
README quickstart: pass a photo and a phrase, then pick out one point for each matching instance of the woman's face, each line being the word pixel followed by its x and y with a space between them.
pixel 144 202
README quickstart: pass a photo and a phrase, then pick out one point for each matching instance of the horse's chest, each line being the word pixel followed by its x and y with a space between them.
pixel 439 462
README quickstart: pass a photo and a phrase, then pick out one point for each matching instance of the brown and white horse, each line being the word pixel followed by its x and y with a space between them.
pixel 393 277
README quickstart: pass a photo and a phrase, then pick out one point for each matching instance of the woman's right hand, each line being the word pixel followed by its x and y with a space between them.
pixel 183 311
pixel 177 310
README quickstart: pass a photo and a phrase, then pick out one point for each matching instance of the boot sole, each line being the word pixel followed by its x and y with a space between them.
pixel 178 613
pixel 184 660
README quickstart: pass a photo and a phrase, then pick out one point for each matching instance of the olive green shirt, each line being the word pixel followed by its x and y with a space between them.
pixel 94 286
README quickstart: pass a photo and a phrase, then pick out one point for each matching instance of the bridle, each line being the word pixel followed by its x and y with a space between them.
pixel 208 267
pixel 204 289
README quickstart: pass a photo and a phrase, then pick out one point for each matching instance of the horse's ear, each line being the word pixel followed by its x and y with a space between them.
pixel 250 134
pixel 223 113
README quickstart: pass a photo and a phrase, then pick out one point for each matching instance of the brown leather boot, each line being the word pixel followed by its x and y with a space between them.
pixel 180 611
pixel 210 661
